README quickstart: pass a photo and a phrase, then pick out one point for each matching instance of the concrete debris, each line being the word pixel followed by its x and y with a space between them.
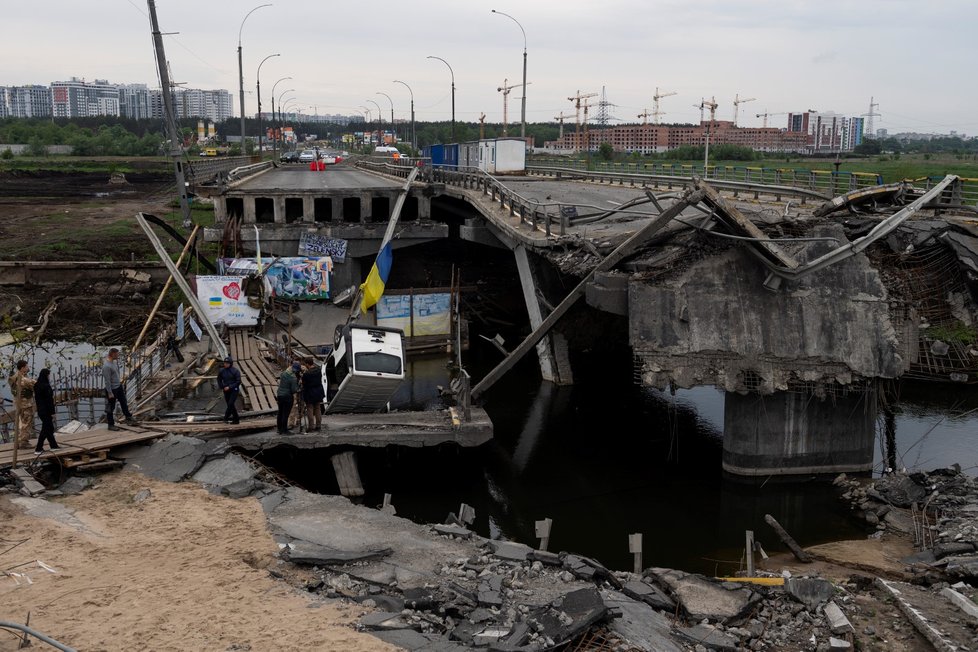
pixel 226 472
pixel 838 622
pixel 303 552
pixel 510 551
pixel 639 624
pixel 709 637
pixel 75 485
pixel 839 644
pixel 648 594
pixel 701 598
pixel 171 459
pixel 810 591
pixel 452 531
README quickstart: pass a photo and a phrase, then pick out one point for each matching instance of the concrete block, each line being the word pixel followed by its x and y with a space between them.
pixel 839 644
pixel 226 471
pixel 709 637
pixel 649 595
pixel 639 624
pixel 510 550
pixel 810 591
pixel 171 459
pixel 838 622
pixel 962 603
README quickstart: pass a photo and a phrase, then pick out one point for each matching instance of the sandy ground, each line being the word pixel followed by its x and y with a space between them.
pixel 181 570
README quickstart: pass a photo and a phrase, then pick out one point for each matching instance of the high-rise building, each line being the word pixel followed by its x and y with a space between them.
pixel 25 102
pixel 134 101
pixel 827 131
pixel 77 98
pixel 196 103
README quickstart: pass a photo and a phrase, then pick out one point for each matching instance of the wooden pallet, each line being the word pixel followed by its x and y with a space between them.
pixel 74 460
pixel 258 382
pixel 91 442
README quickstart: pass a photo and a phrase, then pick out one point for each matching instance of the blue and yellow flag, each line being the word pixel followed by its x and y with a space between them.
pixel 373 287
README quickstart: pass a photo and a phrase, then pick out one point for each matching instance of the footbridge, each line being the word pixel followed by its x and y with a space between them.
pixel 794 301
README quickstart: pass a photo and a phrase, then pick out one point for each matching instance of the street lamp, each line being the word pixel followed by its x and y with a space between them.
pixel 380 119
pixel 393 131
pixel 241 73
pixel 414 139
pixel 274 132
pixel 258 92
pixel 523 116
pixel 453 92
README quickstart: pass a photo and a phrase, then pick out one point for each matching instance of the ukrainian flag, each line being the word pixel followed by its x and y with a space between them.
pixel 215 302
pixel 373 288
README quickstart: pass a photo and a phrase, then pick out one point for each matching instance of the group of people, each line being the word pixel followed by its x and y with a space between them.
pixel 303 379
pixel 36 396
pixel 306 380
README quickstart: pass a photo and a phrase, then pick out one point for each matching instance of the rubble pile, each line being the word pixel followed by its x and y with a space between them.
pixel 938 509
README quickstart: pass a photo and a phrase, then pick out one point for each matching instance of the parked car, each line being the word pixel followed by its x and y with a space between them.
pixel 328 159
pixel 289 157
pixel 307 156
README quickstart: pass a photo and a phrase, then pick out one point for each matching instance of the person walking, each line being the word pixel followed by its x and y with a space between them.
pixel 288 386
pixel 229 380
pixel 44 399
pixel 114 391
pixel 313 394
pixel 22 391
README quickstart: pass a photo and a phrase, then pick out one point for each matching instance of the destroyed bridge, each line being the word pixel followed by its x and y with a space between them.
pixel 801 302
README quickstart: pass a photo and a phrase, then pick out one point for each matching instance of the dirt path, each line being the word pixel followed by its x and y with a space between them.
pixel 180 570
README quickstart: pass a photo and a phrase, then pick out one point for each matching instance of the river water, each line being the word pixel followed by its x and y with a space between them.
pixel 605 458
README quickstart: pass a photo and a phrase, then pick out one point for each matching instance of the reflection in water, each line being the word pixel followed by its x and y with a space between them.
pixel 605 458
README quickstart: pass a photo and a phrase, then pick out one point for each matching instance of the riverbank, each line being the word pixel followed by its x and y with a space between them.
pixel 137 562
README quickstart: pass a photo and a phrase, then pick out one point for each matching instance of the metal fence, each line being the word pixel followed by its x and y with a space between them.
pixel 79 389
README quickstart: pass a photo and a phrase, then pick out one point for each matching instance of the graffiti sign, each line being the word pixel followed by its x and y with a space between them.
pixel 289 278
pixel 314 245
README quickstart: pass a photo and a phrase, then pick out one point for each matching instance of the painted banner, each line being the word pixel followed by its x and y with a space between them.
pixel 431 313
pixel 313 245
pixel 224 302
pixel 288 278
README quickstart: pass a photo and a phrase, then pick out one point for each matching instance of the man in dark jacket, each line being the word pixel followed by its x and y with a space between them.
pixel 313 394
pixel 229 380
pixel 288 386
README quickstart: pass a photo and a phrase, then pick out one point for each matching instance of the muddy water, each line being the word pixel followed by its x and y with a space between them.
pixel 605 458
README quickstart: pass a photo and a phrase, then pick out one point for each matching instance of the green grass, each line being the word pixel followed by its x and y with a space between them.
pixel 81 164
pixel 954 332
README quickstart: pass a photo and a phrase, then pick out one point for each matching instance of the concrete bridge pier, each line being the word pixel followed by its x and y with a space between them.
pixel 798 433
pixel 552 350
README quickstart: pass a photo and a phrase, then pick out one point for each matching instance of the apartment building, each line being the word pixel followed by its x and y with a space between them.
pixel 650 138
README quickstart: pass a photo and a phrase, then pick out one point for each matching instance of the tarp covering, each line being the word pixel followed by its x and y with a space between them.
pixel 432 313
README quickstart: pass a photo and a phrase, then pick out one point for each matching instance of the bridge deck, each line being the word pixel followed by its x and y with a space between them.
pixel 299 179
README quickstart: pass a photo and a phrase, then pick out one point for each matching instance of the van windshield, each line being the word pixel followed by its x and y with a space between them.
pixel 376 362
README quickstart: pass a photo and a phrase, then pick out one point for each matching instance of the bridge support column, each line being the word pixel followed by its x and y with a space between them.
pixel 220 210
pixel 337 211
pixel 424 206
pixel 552 349
pixel 366 206
pixel 308 208
pixel 249 210
pixel 797 433
pixel 278 204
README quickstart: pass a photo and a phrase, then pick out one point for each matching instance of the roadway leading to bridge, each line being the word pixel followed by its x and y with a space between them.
pixel 301 179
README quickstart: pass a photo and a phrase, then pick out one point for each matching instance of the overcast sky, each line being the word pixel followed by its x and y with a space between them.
pixel 915 58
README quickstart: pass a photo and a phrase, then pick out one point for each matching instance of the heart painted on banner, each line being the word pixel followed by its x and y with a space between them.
pixel 232 291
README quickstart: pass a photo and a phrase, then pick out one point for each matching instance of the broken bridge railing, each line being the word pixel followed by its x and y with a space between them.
pixel 827 182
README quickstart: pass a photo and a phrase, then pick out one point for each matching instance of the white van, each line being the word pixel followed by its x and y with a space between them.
pixel 365 368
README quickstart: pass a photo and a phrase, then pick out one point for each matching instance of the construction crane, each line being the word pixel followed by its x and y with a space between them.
pixel 712 106
pixel 767 115
pixel 560 120
pixel 737 102
pixel 482 126
pixel 577 106
pixel 505 89
pixel 655 104
pixel 644 115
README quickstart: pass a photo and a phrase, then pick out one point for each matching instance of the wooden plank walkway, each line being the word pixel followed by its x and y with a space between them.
pixel 82 444
pixel 258 382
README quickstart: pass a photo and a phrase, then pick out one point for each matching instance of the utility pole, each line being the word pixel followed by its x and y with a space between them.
pixel 176 146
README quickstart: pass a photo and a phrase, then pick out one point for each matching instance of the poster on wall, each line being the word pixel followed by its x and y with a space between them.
pixel 288 278
pixel 417 314
pixel 314 245
pixel 224 302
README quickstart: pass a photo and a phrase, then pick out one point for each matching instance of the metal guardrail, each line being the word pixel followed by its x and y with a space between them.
pixel 205 169
pixel 967 191
pixel 826 182
pixel 545 215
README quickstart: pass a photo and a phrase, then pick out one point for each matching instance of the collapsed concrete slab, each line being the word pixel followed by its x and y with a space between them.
pixel 639 624
pixel 171 459
pixel 702 599
pixel 225 472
